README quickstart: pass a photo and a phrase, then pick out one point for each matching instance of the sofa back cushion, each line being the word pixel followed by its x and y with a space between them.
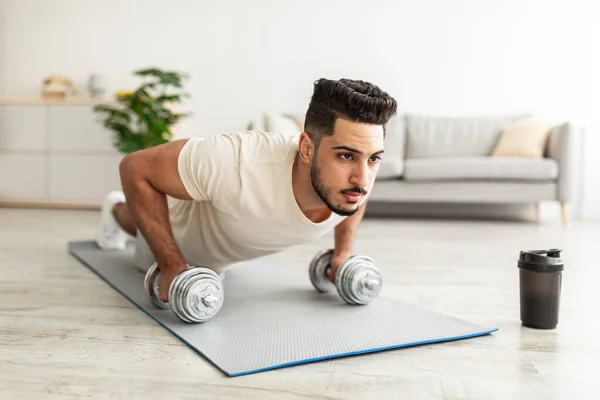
pixel 430 137
pixel 392 164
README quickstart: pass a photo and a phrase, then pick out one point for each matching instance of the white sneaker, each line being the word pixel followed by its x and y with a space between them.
pixel 110 234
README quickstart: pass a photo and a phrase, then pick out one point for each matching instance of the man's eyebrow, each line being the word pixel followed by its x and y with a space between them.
pixel 354 150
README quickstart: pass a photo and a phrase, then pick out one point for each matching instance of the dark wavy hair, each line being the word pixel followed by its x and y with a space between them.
pixel 352 100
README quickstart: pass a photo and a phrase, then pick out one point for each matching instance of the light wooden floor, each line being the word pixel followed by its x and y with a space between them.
pixel 65 334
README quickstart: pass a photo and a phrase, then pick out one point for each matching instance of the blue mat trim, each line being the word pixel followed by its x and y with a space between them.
pixel 375 350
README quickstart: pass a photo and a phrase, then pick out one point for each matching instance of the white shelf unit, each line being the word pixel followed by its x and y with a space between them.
pixel 55 153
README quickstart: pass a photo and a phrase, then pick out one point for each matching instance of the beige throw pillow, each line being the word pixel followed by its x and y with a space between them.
pixel 523 139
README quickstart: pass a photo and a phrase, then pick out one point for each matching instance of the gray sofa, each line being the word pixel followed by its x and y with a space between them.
pixel 440 160
pixel 444 166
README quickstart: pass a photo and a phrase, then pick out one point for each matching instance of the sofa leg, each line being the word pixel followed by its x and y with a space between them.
pixel 563 212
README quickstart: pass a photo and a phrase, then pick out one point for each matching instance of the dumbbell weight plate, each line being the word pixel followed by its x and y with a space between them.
pixel 151 285
pixel 196 294
pixel 318 271
pixel 358 280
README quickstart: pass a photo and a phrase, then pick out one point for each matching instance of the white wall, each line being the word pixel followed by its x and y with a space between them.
pixel 3 35
pixel 590 207
pixel 434 56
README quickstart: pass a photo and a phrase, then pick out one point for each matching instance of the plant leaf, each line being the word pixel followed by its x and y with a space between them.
pixel 142 118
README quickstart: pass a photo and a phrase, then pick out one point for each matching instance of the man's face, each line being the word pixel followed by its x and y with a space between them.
pixel 345 165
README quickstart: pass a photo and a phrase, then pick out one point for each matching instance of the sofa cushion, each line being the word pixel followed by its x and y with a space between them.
pixel 392 163
pixel 481 168
pixel 390 168
pixel 454 137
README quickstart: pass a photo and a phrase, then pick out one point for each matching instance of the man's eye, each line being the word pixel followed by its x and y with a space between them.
pixel 346 156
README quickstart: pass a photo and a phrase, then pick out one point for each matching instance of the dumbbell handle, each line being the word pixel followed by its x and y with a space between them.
pixel 209 300
pixel 371 284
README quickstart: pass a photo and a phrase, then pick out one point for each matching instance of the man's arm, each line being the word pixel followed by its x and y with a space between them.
pixel 344 234
pixel 147 177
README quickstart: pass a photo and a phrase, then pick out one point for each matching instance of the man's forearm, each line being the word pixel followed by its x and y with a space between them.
pixel 345 232
pixel 150 212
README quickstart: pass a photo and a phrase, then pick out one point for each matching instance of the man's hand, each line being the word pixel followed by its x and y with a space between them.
pixel 336 261
pixel 166 278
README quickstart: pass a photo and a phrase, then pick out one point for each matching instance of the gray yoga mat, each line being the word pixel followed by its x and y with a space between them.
pixel 272 317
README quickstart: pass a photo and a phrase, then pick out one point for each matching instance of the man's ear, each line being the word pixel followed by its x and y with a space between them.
pixel 306 148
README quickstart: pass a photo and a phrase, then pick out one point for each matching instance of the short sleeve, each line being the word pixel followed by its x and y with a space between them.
pixel 209 168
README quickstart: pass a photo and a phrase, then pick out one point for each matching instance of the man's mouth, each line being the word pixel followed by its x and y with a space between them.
pixel 352 196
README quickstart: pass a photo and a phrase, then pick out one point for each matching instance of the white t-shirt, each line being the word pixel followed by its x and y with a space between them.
pixel 244 206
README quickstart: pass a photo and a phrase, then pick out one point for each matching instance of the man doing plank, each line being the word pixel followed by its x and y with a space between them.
pixel 217 200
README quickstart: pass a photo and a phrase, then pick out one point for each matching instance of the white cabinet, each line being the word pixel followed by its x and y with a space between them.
pixel 55 153
pixel 82 178
pixel 22 128
pixel 22 176
pixel 76 128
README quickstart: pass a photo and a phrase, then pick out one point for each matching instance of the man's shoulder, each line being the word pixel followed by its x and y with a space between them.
pixel 264 147
pixel 248 141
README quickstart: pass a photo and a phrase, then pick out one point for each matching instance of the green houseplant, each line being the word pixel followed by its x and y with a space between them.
pixel 144 117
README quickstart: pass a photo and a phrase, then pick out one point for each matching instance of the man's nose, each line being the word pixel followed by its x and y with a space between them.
pixel 360 176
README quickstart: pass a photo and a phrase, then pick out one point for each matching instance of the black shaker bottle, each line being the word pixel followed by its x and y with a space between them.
pixel 540 280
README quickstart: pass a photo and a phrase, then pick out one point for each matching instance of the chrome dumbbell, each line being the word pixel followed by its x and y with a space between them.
pixel 195 295
pixel 357 280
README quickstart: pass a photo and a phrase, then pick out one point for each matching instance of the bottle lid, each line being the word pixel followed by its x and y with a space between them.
pixel 541 260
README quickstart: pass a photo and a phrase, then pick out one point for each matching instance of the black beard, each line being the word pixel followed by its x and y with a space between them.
pixel 323 193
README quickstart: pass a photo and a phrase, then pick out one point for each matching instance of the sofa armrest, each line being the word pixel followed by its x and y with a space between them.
pixel 392 164
pixel 563 145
